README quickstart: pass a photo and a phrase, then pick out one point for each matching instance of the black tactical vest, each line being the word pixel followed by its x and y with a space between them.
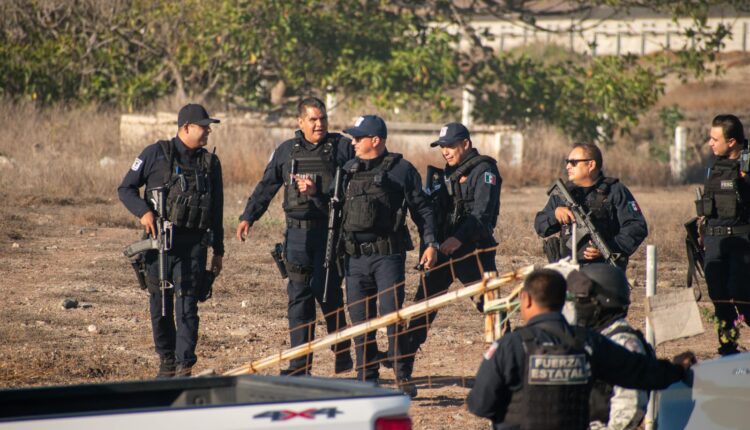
pixel 460 204
pixel 318 164
pixel 598 202
pixel 189 193
pixel 373 204
pixel 725 194
pixel 556 383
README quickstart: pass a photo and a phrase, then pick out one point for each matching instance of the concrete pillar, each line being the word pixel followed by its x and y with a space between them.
pixel 678 154
pixel 467 106
pixel 650 338
pixel 331 102
pixel 516 144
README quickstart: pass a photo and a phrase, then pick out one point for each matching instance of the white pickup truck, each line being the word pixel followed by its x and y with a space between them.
pixel 216 403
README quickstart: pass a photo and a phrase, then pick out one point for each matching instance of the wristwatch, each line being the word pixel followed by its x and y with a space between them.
pixel 434 245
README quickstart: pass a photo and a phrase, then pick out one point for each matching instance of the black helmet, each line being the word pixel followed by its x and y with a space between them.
pixel 602 282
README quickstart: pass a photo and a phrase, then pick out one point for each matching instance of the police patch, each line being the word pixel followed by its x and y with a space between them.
pixel 443 131
pixel 136 164
pixel 572 369
pixel 490 178
pixel 633 206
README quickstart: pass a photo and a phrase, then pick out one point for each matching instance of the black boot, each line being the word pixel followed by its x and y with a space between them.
pixel 167 366
pixel 183 370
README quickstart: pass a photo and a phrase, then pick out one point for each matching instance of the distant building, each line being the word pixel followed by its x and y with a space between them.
pixel 602 32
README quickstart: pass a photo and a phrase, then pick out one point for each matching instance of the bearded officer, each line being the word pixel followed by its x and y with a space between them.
pixel 540 375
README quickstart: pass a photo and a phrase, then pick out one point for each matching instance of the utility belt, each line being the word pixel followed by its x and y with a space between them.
pixel 729 230
pixel 306 224
pixel 382 246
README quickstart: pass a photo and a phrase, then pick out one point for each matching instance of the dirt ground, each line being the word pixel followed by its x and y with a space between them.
pixel 53 249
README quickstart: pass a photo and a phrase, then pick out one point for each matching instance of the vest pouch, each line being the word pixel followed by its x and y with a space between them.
pixel 194 213
pixel 178 211
pixel 704 206
pixel 726 205
pixel 205 217
pixel 361 215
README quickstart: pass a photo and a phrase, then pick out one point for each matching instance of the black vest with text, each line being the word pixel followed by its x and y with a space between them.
pixel 460 203
pixel 556 383
pixel 318 164
pixel 726 196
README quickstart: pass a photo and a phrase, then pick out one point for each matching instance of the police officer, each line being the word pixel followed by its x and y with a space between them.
pixel 469 196
pixel 615 213
pixel 380 187
pixel 540 375
pixel 195 201
pixel 601 297
pixel 725 217
pixel 305 166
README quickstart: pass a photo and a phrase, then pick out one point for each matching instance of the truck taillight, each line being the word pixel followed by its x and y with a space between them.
pixel 393 423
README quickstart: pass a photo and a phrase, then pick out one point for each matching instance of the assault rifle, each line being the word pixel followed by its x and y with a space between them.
pixel 162 243
pixel 694 248
pixel 332 261
pixel 585 225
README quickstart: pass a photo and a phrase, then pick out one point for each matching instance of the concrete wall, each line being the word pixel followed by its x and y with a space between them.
pixel 411 139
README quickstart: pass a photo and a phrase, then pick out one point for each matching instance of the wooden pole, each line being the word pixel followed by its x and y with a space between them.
pixel 403 314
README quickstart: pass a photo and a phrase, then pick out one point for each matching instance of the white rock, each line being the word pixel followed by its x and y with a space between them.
pixel 107 162
pixel 92 328
pixel 15 245
pixel 6 162
pixel 244 303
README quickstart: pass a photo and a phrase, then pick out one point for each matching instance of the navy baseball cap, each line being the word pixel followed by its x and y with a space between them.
pixel 451 133
pixel 194 114
pixel 368 125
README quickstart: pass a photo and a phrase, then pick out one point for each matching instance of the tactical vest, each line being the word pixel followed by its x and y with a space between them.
pixel 318 164
pixel 459 204
pixel 725 193
pixel 373 204
pixel 602 392
pixel 556 383
pixel 189 193
pixel 599 205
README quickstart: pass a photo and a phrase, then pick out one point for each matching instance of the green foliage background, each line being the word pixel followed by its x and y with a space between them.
pixel 259 54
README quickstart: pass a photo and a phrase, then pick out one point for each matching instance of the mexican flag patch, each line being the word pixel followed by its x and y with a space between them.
pixel 489 178
pixel 633 206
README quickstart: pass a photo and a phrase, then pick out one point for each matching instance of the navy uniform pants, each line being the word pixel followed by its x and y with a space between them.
pixel 437 281
pixel 727 269
pixel 376 283
pixel 304 254
pixel 177 331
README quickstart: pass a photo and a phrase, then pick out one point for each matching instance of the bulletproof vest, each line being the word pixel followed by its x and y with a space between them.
pixel 598 203
pixel 373 203
pixel 602 392
pixel 460 203
pixel 189 193
pixel 556 383
pixel 318 164
pixel 725 193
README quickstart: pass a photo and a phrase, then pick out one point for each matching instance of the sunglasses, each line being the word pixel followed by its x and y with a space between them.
pixel 575 162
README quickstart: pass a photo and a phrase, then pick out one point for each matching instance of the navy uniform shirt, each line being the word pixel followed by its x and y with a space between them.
pixel 629 225
pixel 278 170
pixel 482 185
pixel 150 169
pixel 404 176
pixel 503 367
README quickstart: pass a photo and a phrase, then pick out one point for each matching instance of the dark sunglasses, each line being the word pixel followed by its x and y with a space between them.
pixel 575 162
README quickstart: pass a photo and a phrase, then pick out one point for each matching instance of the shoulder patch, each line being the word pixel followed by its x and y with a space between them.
pixel 633 206
pixel 136 164
pixel 490 178
pixel 490 351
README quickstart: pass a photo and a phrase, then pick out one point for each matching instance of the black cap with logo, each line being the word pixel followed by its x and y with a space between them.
pixel 451 133
pixel 368 125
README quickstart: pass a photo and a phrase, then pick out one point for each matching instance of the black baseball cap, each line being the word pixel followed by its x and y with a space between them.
pixel 368 125
pixel 451 133
pixel 194 114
